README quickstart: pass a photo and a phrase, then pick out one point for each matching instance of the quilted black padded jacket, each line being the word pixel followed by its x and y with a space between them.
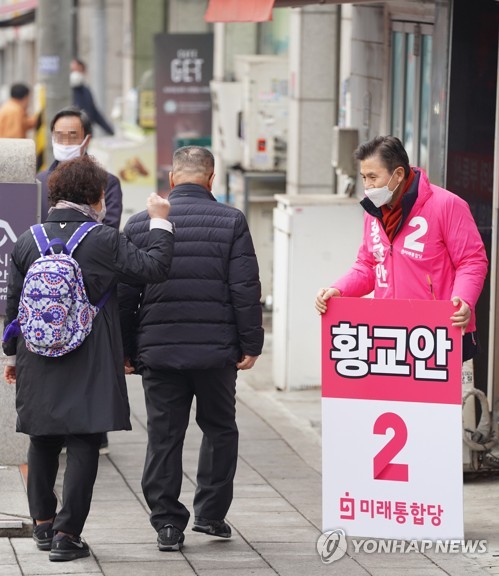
pixel 208 313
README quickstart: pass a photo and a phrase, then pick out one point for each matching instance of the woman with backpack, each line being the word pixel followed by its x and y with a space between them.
pixel 66 358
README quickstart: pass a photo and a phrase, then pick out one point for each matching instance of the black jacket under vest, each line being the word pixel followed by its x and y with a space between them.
pixel 208 314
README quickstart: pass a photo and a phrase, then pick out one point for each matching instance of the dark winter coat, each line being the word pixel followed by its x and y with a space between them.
pixel 83 391
pixel 208 313
pixel 113 197
pixel 83 99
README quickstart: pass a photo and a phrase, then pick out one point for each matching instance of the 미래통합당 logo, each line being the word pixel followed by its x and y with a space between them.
pixel 332 545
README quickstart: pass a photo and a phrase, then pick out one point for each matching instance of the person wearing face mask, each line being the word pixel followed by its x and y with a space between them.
pixel 73 398
pixel 71 134
pixel 82 95
pixel 420 241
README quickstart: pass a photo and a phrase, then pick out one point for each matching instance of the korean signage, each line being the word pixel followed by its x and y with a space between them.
pixel 183 71
pixel 391 407
pixel 20 209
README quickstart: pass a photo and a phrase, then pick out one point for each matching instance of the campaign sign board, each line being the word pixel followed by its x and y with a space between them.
pixel 391 419
pixel 183 71
pixel 20 210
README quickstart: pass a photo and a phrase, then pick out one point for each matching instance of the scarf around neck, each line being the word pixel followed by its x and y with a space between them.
pixel 83 208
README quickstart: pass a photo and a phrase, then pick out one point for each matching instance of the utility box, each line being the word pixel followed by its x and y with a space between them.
pixel 263 125
pixel 227 102
pixel 316 239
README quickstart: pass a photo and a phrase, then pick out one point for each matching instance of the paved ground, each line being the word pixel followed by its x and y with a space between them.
pixel 276 514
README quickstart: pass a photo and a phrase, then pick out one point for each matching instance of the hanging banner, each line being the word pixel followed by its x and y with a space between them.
pixel 183 71
pixel 391 419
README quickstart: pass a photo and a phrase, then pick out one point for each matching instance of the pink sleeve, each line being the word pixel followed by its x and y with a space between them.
pixel 466 251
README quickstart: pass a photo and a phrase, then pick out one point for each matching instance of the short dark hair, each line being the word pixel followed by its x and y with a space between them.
pixel 390 150
pixel 81 63
pixel 76 112
pixel 19 91
pixel 80 180
pixel 193 159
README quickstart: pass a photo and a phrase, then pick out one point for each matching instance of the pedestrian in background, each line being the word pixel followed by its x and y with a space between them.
pixel 82 95
pixel 188 337
pixel 72 399
pixel 14 118
pixel 71 135
pixel 420 241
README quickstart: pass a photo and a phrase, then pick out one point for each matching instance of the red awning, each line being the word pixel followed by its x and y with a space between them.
pixel 239 11
pixel 13 7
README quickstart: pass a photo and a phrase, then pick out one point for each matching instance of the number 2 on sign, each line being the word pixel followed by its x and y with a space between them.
pixel 383 467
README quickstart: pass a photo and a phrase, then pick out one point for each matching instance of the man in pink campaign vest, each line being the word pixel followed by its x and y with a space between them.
pixel 420 241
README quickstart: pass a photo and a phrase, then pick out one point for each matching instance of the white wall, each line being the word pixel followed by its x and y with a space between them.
pixel 313 99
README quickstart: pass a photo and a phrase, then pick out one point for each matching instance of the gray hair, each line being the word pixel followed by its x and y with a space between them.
pixel 193 160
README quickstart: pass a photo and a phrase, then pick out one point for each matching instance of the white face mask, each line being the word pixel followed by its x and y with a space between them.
pixel 76 78
pixel 381 196
pixel 102 212
pixel 63 152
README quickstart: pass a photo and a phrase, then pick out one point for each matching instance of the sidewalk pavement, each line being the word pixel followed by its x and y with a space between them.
pixel 276 513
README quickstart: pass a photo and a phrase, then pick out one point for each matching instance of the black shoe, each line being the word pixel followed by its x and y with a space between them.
pixel 65 548
pixel 42 535
pixel 218 528
pixel 170 539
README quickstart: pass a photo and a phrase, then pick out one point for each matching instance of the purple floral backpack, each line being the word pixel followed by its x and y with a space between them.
pixel 55 315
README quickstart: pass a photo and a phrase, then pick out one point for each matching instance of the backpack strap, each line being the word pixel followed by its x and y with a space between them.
pixel 104 299
pixel 74 242
pixel 79 234
pixel 44 245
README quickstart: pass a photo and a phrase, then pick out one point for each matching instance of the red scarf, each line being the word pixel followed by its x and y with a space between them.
pixel 392 216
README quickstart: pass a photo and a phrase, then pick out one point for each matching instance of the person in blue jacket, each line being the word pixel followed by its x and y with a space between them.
pixel 71 134
pixel 82 96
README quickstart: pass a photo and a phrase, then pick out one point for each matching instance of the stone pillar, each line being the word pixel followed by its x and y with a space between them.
pixel 53 23
pixel 187 16
pixel 105 45
pixel 17 164
pixel 313 99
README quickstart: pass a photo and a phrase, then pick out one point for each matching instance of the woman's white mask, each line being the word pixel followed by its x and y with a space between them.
pixel 102 212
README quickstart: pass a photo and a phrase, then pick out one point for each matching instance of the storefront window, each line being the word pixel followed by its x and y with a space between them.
pixel 398 56
pixel 424 116
pixel 410 88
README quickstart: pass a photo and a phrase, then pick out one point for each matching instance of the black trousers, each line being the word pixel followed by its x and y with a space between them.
pixel 169 396
pixel 81 470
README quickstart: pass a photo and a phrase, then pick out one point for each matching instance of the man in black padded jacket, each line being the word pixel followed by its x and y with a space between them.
pixel 188 337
